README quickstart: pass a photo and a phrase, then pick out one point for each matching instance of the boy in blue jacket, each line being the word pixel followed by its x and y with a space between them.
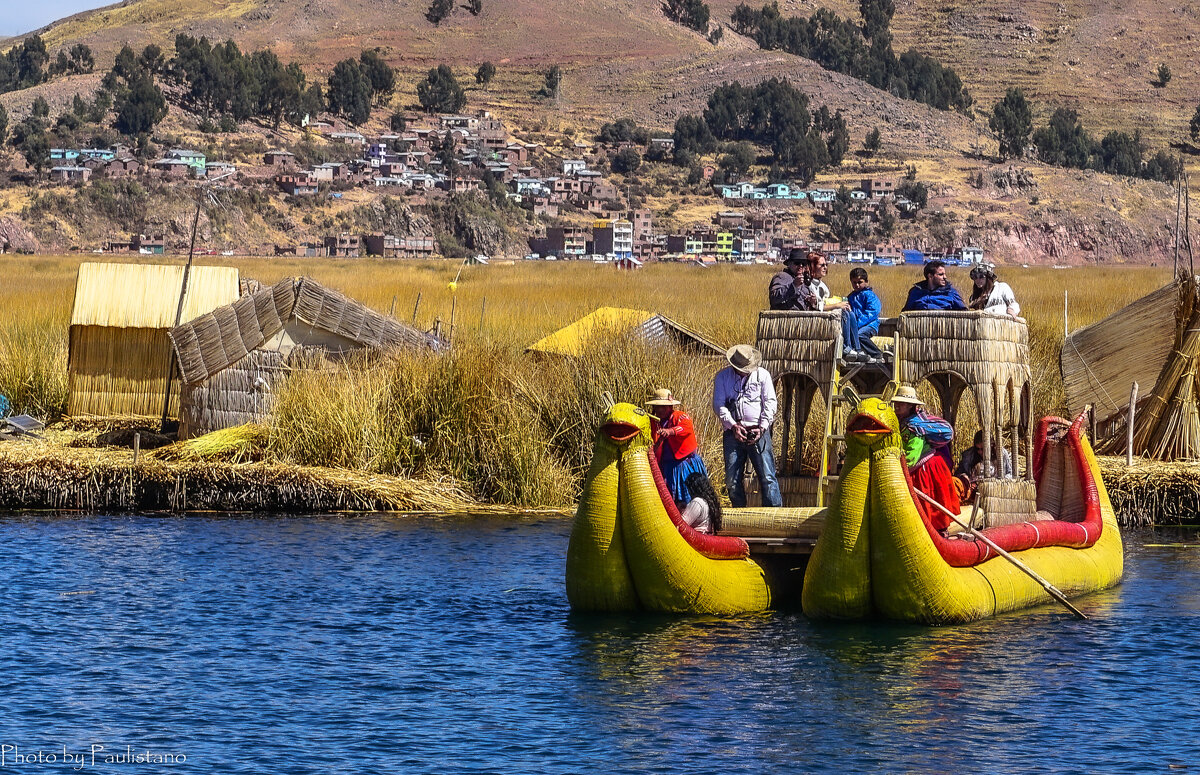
pixel 866 306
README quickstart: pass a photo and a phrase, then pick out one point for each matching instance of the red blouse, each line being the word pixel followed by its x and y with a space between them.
pixel 683 439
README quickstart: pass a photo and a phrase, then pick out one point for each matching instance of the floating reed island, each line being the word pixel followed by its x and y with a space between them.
pixel 222 471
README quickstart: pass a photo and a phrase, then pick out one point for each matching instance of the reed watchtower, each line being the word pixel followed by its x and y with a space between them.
pixel 953 352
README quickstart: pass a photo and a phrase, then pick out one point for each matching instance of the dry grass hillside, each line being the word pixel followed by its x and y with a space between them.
pixel 623 58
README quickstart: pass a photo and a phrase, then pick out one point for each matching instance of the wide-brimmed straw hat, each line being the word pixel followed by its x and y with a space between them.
pixel 661 397
pixel 743 357
pixel 906 394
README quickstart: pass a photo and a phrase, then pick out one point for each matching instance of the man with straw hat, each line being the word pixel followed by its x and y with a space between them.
pixel 744 400
pixel 927 452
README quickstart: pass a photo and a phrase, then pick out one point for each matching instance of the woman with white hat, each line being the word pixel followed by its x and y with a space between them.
pixel 678 454
pixel 927 451
pixel 991 295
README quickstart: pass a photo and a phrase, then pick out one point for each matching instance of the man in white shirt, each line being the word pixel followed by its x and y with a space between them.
pixel 744 400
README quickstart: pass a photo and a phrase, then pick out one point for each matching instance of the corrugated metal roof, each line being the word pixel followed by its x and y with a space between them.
pixel 572 339
pixel 147 295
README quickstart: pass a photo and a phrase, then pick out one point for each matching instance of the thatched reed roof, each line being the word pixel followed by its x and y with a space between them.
pixel 214 342
pixel 1101 361
pixel 799 343
pixel 147 295
pixel 650 326
pixel 989 353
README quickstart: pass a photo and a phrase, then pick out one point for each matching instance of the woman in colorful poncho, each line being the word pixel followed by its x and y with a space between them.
pixel 927 452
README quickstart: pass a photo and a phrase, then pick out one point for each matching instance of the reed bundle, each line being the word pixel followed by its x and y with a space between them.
pixel 1008 501
pixel 1168 427
pixel 239 444
pixel 799 343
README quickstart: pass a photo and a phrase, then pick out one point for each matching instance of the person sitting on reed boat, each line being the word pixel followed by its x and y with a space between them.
pixel 934 292
pixel 927 451
pixel 864 305
pixel 790 288
pixel 744 401
pixel 678 454
pixel 991 295
pixel 971 467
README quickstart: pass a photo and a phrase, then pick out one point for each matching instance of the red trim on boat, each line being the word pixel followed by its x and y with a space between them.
pixel 712 546
pixel 960 553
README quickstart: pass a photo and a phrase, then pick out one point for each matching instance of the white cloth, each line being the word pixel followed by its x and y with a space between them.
pixel 1000 299
pixel 696 515
pixel 820 290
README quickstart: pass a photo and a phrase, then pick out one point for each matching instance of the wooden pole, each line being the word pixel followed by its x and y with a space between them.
pixel 187 270
pixel 1046 585
pixel 482 312
pixel 1129 425
pixel 1066 328
pixel 416 307
pixel 392 309
pixel 1091 410
pixel 137 447
pixel 1178 209
pixel 453 309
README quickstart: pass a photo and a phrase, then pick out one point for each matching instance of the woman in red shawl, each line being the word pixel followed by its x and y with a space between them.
pixel 927 451
pixel 678 454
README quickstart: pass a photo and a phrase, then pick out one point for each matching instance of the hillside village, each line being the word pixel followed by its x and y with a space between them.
pixel 437 156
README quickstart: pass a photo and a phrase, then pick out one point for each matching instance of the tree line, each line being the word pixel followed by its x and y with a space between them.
pixel 28 63
pixel 863 52
pixel 1064 142
pixel 774 114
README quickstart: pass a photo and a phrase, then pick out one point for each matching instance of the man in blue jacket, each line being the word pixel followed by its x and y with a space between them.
pixel 935 292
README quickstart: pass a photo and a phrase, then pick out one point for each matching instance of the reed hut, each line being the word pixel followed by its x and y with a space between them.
pixel 232 360
pixel 1154 342
pixel 617 321
pixel 119 351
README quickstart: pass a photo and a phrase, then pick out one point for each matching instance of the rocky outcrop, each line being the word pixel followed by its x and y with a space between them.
pixel 15 237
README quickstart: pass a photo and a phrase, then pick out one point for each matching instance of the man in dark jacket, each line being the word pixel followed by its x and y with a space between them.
pixel 935 293
pixel 789 289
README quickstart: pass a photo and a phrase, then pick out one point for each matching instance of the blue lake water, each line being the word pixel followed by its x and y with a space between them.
pixel 397 645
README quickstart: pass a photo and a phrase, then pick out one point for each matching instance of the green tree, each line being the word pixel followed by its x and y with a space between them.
pixel 349 92
pixel 141 107
pixel 1194 126
pixel 475 7
pixel 716 35
pixel 877 17
pixel 692 136
pixel 1064 141
pixel 1162 75
pixel 872 142
pixel 693 14
pixel 440 92
pixel 738 159
pixel 847 218
pixel 397 122
pixel 447 156
pixel 552 83
pixel 439 10
pixel 40 107
pixel 125 65
pixel 626 161
pixel 29 137
pixel 1012 121
pixel 152 58
pixel 3 123
pixel 485 74
pixel 380 75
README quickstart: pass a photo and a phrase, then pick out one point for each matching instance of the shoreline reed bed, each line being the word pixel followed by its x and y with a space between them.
pixel 509 427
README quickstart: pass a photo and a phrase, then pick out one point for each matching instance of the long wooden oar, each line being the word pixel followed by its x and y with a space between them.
pixel 1030 572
